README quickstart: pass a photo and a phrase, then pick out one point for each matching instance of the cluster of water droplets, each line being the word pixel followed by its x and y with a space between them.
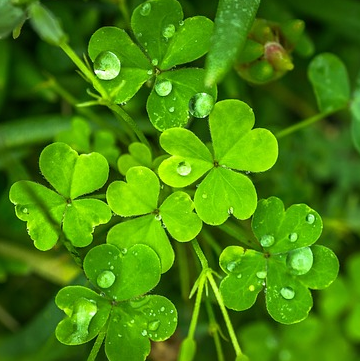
pixel 107 65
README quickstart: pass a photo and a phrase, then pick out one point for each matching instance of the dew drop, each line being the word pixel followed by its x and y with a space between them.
pixel 231 266
pixel 239 275
pixel 162 309
pixel 251 288
pixel 171 109
pixel 231 210
pixel 168 31
pixel 293 237
pixel 204 195
pixel 154 325
pixel 25 210
pixel 163 88
pixel 139 302
pixel 155 62
pixel 267 240
pixel 288 293
pixel 181 22
pixel 158 217
pixel 183 168
pixel 201 104
pixel 145 9
pixel 107 65
pixel 261 274
pixel 144 332
pixel 124 250
pixel 82 313
pixel 105 279
pixel 310 218
pixel 149 72
pixel 300 260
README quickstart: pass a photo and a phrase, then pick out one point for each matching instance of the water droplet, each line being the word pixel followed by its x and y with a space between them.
pixel 239 275
pixel 144 332
pixel 25 210
pixel 204 195
pixel 251 288
pixel 293 237
pixel 181 22
pixel 162 309
pixel 105 279
pixel 231 210
pixel 107 65
pixel 168 31
pixel 149 72
pixel 155 62
pixel 153 325
pixel 288 293
pixel 231 266
pixel 310 218
pixel 171 109
pixel 139 302
pixel 158 217
pixel 124 250
pixel 261 274
pixel 82 313
pixel 201 104
pixel 300 260
pixel 183 168
pixel 267 240
pixel 145 9
pixel 163 88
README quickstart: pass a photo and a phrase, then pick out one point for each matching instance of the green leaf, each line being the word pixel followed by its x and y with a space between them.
pixel 143 230
pixel 135 69
pixel 10 17
pixel 42 209
pixel 189 42
pixel 183 145
pixel 235 144
pixel 178 217
pixel 232 17
pixel 70 174
pixel 153 18
pixel 355 115
pixel 329 78
pixel 171 108
pixel 280 231
pixel 47 213
pixel 139 195
pixel 87 314
pixel 222 193
pixel 123 274
pixel 139 154
pixel 246 271
pixel 134 323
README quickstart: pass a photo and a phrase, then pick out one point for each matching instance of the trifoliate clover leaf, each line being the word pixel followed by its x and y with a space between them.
pixel 139 155
pixel 164 40
pixel 237 147
pixel 286 268
pixel 50 213
pixel 121 310
pixel 138 196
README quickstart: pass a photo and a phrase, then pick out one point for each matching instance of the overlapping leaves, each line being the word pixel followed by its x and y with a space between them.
pixel 286 268
pixel 49 213
pixel 164 40
pixel 139 197
pixel 237 147
pixel 120 309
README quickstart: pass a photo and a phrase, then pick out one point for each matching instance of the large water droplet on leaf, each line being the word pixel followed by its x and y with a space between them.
pixel 163 88
pixel 200 105
pixel 293 237
pixel 105 279
pixel 183 168
pixel 107 65
pixel 154 325
pixel 288 293
pixel 267 240
pixel 310 218
pixel 261 274
pixel 231 266
pixel 300 260
pixel 168 31
pixel 145 9
pixel 83 312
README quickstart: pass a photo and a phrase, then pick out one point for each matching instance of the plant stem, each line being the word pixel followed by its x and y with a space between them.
pixel 225 315
pixel 304 123
pixel 200 254
pixel 96 347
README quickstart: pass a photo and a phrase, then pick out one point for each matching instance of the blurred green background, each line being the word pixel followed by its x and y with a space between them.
pixel 318 166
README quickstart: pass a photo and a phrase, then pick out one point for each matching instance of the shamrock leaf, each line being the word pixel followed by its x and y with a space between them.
pixel 139 154
pixel 164 40
pixel 48 213
pixel 139 197
pixel 237 147
pixel 286 268
pixel 128 318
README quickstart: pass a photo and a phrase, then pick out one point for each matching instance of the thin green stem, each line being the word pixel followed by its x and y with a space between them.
pixel 200 254
pixel 96 347
pixel 73 252
pixel 225 315
pixel 304 123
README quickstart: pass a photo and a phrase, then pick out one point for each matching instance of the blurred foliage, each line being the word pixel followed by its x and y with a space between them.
pixel 318 165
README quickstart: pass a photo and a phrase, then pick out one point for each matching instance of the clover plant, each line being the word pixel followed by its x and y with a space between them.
pixel 172 192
